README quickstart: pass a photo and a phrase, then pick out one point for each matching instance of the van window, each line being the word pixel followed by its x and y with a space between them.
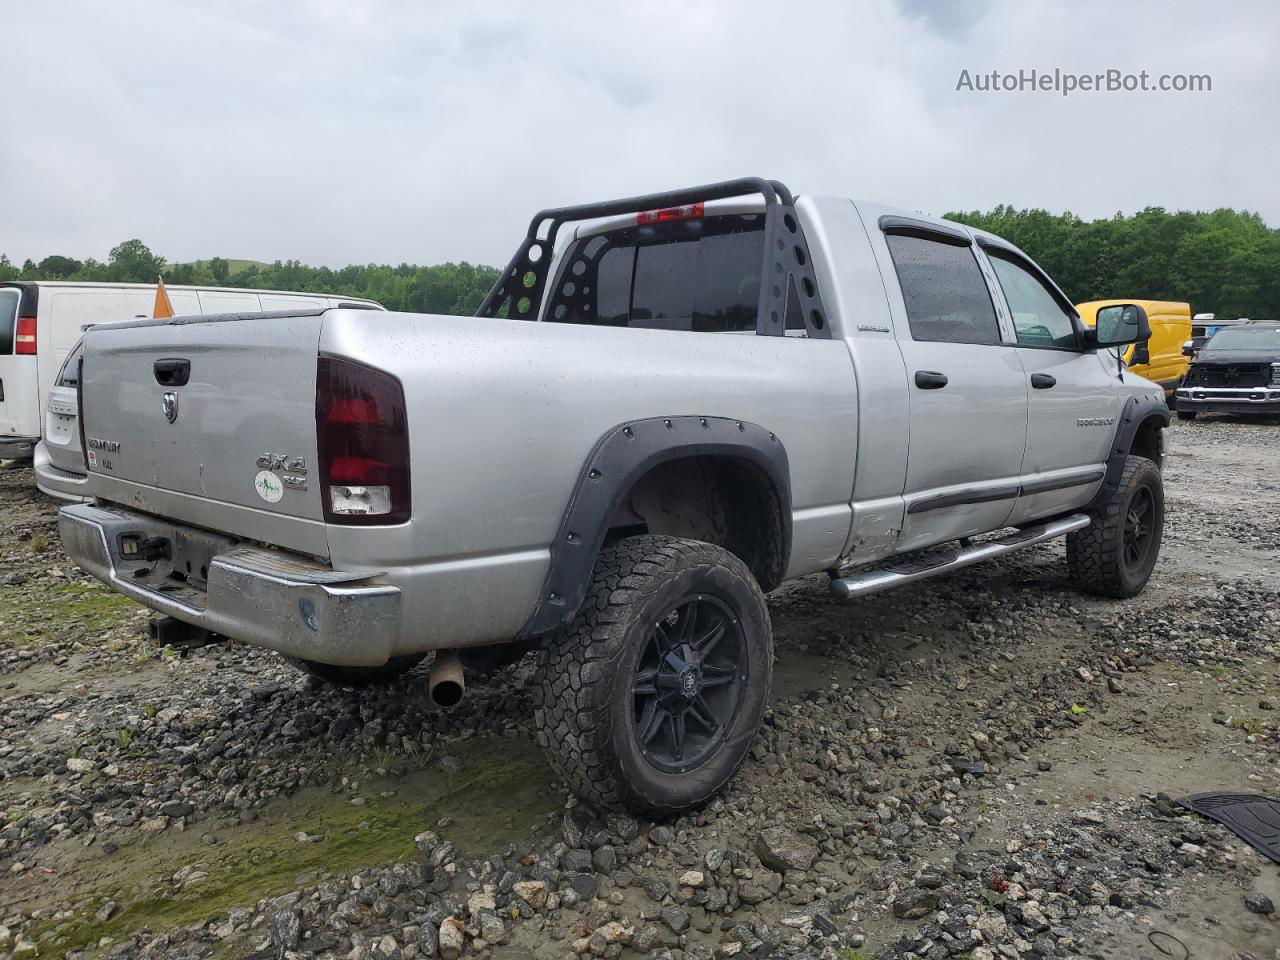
pixel 71 309
pixel 289 303
pixel 1039 319
pixel 9 298
pixel 217 301
pixel 945 294
pixel 699 275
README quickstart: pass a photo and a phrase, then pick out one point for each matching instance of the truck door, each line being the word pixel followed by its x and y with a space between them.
pixel 968 393
pixel 1073 400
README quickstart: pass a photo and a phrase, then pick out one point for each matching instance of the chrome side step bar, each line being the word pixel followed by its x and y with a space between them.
pixel 906 571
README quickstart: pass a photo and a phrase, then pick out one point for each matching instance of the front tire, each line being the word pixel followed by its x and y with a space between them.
pixel 650 699
pixel 1187 414
pixel 1115 555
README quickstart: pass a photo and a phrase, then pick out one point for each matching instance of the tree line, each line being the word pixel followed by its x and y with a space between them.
pixel 455 288
pixel 1225 262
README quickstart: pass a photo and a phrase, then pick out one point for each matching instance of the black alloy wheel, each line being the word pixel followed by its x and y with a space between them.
pixel 1139 529
pixel 688 683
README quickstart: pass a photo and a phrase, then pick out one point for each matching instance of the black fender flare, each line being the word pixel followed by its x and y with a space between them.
pixel 617 461
pixel 1137 411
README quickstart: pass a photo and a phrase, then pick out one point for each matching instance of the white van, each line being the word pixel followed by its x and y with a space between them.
pixel 41 320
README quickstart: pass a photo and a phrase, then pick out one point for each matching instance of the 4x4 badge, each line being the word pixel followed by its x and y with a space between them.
pixel 169 404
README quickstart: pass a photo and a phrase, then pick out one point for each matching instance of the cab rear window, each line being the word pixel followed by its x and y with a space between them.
pixel 699 275
pixel 9 298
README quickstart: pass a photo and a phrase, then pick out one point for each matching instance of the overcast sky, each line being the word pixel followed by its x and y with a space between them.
pixel 337 131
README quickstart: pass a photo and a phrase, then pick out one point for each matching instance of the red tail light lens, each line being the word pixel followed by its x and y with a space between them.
pixel 24 339
pixel 363 438
pixel 686 212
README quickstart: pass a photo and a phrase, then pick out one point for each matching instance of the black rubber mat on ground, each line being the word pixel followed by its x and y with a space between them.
pixel 1253 818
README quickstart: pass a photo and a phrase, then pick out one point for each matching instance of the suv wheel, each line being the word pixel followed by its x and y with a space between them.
pixel 358 676
pixel 650 699
pixel 1187 414
pixel 1114 555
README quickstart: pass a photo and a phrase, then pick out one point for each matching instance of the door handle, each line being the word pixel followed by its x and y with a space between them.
pixel 172 373
pixel 930 380
pixel 1042 381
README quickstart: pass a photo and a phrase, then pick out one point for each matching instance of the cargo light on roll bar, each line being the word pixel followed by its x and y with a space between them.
pixel 686 211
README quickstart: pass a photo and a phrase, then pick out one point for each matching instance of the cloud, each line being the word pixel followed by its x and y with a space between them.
pixel 376 130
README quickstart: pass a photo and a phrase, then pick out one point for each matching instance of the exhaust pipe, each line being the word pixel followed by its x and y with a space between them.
pixel 445 683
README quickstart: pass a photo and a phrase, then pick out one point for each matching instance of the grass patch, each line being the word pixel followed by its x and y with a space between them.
pixel 503 791
pixel 34 614
pixel 1250 725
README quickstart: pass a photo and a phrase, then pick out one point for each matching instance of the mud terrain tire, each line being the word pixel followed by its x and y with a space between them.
pixel 1114 555
pixel 650 698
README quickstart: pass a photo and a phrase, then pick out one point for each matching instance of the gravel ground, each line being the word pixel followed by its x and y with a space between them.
pixel 977 767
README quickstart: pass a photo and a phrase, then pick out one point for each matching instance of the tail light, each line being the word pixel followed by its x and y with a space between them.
pixel 686 212
pixel 363 438
pixel 24 340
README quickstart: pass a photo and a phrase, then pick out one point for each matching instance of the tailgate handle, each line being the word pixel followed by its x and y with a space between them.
pixel 172 373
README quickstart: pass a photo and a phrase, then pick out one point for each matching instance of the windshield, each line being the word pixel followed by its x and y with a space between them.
pixel 1246 338
pixel 8 314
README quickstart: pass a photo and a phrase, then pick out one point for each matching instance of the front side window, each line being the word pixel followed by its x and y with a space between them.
pixel 8 317
pixel 698 275
pixel 946 297
pixel 1039 319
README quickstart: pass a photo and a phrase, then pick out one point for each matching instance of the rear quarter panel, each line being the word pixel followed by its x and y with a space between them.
pixel 504 413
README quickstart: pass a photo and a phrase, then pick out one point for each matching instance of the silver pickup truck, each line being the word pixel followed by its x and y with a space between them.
pixel 667 406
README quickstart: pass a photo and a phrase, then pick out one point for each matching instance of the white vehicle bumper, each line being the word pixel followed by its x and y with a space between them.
pixel 55 482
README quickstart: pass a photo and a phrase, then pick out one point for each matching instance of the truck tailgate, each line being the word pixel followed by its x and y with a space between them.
pixel 210 421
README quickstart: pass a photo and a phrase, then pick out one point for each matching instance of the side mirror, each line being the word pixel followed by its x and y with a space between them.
pixel 1118 325
pixel 1189 348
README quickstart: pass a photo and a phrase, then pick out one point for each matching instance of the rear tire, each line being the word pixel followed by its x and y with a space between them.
pixel 1115 555
pixel 359 677
pixel 651 698
pixel 1187 414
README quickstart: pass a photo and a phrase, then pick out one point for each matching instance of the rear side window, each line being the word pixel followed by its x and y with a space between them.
pixel 1039 319
pixel 699 275
pixel 9 298
pixel 946 296
pixel 69 375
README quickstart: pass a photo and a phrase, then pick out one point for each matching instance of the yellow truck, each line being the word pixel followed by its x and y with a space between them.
pixel 1159 358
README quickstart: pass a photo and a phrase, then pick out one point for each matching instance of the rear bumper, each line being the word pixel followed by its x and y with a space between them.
pixel 17 448
pixel 1230 399
pixel 55 482
pixel 269 598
